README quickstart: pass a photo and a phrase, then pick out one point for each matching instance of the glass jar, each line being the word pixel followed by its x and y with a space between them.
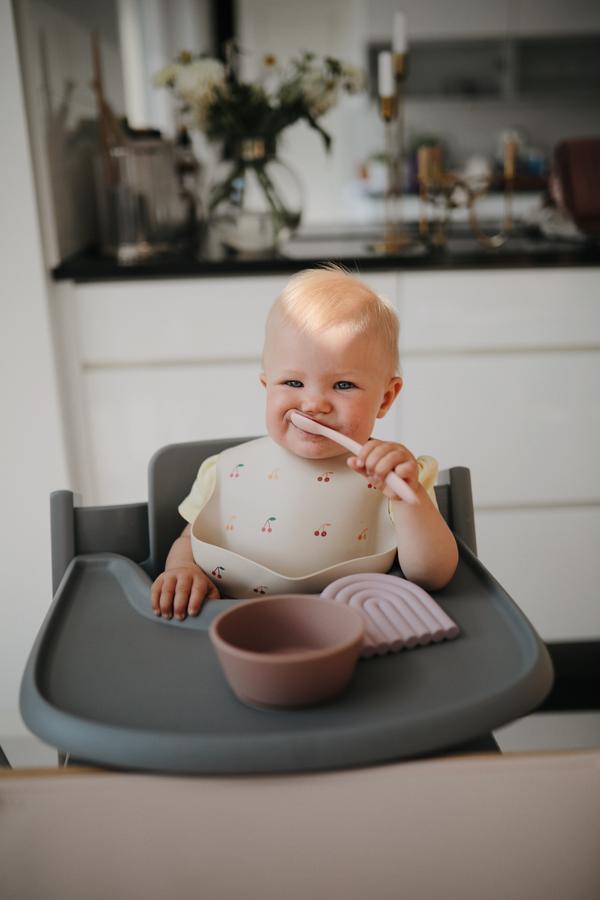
pixel 143 206
pixel 255 200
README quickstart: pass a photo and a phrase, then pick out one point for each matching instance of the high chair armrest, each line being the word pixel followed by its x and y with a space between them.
pixel 76 530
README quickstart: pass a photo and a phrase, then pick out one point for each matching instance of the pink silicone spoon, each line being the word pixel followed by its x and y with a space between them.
pixel 400 487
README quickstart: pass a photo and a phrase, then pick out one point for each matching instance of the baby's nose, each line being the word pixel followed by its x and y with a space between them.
pixel 315 402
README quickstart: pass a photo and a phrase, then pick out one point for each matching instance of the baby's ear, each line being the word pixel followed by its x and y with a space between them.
pixel 392 391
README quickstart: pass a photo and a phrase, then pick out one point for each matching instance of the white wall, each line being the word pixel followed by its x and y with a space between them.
pixel 33 459
pixel 56 57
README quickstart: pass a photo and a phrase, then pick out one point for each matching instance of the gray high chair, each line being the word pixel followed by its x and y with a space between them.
pixel 108 682
pixel 144 532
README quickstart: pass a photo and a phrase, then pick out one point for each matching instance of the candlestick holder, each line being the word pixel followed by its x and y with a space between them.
pixel 445 191
pixel 396 238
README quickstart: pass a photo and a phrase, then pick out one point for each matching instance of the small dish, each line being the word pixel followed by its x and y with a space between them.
pixel 288 650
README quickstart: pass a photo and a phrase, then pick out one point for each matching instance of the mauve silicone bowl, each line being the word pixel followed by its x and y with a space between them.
pixel 288 650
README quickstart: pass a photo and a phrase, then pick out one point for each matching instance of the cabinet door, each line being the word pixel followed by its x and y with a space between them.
pixel 518 310
pixel 547 560
pixel 133 412
pixel 527 425
pixel 160 322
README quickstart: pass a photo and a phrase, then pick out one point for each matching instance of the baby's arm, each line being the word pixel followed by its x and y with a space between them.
pixel 183 586
pixel 427 550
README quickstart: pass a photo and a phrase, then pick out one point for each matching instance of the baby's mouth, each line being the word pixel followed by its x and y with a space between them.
pixel 310 435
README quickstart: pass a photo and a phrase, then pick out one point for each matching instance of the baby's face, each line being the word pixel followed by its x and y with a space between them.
pixel 334 377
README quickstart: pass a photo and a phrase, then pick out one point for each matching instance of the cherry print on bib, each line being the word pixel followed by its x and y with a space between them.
pixel 267 528
pixel 325 477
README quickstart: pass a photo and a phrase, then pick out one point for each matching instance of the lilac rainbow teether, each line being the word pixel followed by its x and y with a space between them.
pixel 392 480
pixel 398 614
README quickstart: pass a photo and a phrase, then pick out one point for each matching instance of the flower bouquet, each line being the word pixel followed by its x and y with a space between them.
pixel 257 201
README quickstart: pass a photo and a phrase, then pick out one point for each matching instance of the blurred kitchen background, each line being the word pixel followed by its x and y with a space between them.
pixel 478 72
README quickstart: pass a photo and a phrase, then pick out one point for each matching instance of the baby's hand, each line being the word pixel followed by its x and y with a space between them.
pixel 378 458
pixel 181 590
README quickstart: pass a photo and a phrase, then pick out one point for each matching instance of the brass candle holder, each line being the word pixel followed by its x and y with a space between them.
pixel 446 191
pixel 391 107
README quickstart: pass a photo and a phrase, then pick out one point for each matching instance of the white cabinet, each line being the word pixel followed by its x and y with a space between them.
pixel 501 373
pixel 522 422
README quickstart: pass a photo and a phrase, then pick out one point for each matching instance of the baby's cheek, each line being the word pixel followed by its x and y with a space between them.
pixel 359 430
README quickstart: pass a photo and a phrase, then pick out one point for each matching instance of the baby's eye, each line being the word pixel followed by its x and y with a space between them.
pixel 344 385
pixel 293 382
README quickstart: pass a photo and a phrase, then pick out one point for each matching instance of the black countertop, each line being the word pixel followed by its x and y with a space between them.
pixel 352 247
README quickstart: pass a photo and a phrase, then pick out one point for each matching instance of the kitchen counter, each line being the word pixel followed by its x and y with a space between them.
pixel 351 246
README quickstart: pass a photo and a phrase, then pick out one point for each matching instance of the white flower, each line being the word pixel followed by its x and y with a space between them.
pixel 197 79
pixel 306 88
pixel 194 84
pixel 166 76
pixel 320 93
pixel 199 107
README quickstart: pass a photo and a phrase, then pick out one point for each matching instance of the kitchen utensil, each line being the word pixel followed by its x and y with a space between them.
pixel 392 480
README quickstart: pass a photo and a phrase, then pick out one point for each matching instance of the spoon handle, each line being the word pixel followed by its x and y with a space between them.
pixel 397 484
pixel 400 487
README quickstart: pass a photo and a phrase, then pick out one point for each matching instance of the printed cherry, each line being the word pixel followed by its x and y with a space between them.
pixel 267 526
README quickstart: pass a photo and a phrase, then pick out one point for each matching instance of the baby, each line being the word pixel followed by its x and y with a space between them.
pixel 289 512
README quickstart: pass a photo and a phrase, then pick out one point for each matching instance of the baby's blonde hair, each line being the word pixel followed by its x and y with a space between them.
pixel 315 300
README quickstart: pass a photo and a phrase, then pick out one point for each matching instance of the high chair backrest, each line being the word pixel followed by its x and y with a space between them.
pixel 144 532
pixel 171 473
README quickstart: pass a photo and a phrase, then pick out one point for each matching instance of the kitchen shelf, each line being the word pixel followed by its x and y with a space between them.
pixel 499 69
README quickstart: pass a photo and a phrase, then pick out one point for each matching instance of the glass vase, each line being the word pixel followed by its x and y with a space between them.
pixel 255 200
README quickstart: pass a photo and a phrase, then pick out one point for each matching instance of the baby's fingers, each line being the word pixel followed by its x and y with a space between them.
pixel 202 589
pixel 356 463
pixel 386 461
pixel 183 591
pixel 408 471
pixel 167 594
pixel 155 592
pixel 213 591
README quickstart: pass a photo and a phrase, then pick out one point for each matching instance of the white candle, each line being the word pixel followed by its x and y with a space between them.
pixel 399 33
pixel 385 74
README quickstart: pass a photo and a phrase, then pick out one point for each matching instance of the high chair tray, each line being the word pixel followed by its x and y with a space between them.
pixel 111 684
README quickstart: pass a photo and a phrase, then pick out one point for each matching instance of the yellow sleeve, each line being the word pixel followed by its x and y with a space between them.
pixel 201 491
pixel 428 473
